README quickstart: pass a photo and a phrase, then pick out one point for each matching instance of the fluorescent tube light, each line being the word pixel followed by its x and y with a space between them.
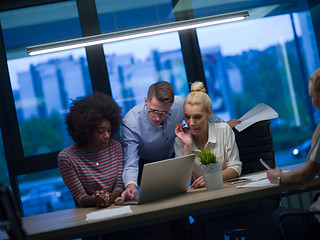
pixel 136 33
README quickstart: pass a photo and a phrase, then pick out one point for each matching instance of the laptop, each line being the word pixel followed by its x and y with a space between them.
pixel 164 179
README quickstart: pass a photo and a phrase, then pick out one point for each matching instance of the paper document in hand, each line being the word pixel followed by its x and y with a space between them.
pixel 256 114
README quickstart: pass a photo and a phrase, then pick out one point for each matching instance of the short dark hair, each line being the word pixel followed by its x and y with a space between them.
pixel 163 92
pixel 87 112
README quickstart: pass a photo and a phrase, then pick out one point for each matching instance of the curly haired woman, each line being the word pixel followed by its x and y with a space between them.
pixel 92 167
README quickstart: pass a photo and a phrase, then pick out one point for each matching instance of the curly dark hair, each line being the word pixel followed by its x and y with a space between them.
pixel 87 112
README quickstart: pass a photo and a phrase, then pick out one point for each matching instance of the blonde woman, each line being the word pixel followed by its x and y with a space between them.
pixel 203 134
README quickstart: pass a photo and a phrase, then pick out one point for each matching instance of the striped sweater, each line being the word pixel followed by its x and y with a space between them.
pixel 84 173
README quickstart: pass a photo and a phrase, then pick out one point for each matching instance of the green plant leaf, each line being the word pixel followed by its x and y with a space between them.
pixel 206 156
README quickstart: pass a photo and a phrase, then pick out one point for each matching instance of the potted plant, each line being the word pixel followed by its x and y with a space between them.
pixel 211 169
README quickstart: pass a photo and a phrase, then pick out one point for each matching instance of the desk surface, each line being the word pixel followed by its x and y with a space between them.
pixel 71 222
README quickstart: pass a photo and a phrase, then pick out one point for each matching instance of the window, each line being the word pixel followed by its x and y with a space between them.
pixel 257 61
pixel 43 86
pixel 43 192
pixel 134 65
pixel 126 14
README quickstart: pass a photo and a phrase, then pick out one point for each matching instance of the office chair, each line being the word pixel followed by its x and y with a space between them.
pixel 254 142
pixel 10 215
pixel 282 216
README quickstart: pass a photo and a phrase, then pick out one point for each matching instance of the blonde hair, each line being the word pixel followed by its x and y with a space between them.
pixel 315 80
pixel 198 96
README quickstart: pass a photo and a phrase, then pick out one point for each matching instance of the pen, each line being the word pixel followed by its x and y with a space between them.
pixel 240 180
pixel 265 164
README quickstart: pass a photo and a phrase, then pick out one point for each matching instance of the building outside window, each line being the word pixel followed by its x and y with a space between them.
pixel 43 87
pixel 134 65
pixel 263 61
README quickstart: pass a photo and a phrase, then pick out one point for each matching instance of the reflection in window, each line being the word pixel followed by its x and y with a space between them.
pixel 134 65
pixel 43 192
pixel 257 61
pixel 127 14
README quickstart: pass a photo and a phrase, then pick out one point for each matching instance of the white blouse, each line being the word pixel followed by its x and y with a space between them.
pixel 222 141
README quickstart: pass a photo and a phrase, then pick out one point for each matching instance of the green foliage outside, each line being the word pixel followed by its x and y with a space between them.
pixel 207 156
pixel 38 136
pixel 42 135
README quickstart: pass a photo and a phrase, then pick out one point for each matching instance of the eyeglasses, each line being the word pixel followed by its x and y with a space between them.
pixel 158 113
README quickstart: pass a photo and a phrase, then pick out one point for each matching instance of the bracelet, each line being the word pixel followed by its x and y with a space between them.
pixel 279 179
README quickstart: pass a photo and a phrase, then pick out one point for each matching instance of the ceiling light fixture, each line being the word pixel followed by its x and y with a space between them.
pixel 135 33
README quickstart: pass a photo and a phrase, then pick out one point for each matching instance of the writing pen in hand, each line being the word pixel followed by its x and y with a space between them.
pixel 265 164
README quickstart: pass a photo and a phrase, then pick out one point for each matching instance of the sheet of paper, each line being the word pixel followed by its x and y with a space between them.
pixel 259 180
pixel 260 183
pixel 258 113
pixel 258 176
pixel 107 213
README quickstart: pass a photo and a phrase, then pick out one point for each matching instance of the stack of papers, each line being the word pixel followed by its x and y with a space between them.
pixel 107 213
pixel 258 180
pixel 256 114
pixel 259 183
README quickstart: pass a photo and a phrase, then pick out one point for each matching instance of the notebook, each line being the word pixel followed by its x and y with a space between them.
pixel 164 178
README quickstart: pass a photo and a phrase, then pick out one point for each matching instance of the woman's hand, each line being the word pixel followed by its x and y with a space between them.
pixel 198 183
pixel 102 198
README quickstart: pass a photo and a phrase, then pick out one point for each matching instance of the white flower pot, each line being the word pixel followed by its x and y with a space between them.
pixel 212 175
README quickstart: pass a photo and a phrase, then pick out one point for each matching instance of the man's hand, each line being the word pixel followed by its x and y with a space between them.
pixel 233 122
pixel 198 183
pixel 273 174
pixel 130 193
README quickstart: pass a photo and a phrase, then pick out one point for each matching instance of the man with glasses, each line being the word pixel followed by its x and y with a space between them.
pixel 148 133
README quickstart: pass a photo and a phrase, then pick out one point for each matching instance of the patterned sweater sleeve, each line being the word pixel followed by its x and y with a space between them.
pixel 69 175
pixel 119 182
